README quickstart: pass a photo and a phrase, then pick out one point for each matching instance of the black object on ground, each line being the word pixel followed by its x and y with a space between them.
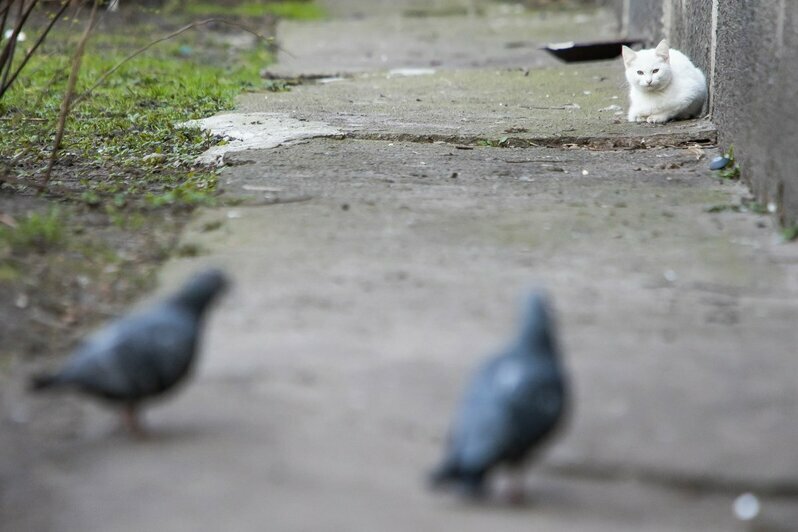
pixel 575 52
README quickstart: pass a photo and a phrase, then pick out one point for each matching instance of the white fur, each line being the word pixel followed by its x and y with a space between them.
pixel 677 90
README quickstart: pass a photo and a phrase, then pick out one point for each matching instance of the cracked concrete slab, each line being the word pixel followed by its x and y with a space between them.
pixel 330 371
pixel 677 392
pixel 581 104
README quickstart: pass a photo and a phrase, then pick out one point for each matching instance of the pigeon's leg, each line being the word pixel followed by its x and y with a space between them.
pixel 130 420
pixel 514 492
pixel 471 486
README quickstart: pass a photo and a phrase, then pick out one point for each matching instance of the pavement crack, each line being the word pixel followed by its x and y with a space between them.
pixel 660 140
pixel 677 480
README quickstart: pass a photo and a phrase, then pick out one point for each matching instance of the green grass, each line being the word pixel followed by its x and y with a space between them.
pixel 498 143
pixel 8 273
pixel 744 206
pixel 133 116
pixel 732 169
pixel 36 232
pixel 790 233
pixel 297 10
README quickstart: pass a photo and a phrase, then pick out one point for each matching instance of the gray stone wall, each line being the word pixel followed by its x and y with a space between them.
pixel 688 26
pixel 756 88
pixel 643 19
pixel 749 51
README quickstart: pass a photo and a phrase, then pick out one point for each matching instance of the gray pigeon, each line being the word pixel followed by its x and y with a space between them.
pixel 514 402
pixel 141 355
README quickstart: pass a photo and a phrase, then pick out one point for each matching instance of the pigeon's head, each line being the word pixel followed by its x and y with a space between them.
pixel 201 290
pixel 537 327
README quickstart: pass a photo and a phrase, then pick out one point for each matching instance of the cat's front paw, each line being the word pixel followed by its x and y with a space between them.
pixel 635 116
pixel 658 119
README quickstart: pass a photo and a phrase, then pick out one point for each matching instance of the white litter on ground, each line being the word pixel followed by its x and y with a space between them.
pixel 410 72
pixel 256 131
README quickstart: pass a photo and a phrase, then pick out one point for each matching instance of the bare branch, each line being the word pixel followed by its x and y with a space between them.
pixel 66 103
pixel 4 87
pixel 4 18
pixel 7 55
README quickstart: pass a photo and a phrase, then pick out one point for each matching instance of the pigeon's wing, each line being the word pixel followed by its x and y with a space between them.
pixel 137 356
pixel 482 438
pixel 484 424
pixel 510 405
pixel 537 406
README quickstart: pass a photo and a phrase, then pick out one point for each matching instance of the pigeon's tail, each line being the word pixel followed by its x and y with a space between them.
pixel 43 381
pixel 443 475
pixel 449 477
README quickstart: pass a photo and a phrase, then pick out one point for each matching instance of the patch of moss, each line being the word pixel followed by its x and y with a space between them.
pixel 8 273
pixel 212 226
pixel 35 232
pixel 790 233
pixel 503 142
pixel 189 250
pixel 297 10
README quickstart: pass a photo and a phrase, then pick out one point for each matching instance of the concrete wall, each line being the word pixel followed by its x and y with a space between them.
pixel 749 51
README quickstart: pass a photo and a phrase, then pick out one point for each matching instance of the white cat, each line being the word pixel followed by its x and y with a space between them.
pixel 663 85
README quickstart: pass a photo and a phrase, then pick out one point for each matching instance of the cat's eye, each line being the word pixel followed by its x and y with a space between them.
pixel 639 72
pixel 655 70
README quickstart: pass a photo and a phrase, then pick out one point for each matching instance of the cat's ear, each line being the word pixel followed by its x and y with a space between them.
pixel 663 50
pixel 628 55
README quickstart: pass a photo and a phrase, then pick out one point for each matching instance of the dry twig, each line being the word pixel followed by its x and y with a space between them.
pixel 6 84
pixel 66 103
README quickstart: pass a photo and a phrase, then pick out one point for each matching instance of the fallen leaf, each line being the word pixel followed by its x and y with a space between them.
pixel 696 150
pixel 7 219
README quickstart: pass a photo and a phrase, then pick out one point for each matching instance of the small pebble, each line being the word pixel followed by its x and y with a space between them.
pixel 19 416
pixel 22 301
pixel 154 158
pixel 719 163
pixel 670 276
pixel 746 507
